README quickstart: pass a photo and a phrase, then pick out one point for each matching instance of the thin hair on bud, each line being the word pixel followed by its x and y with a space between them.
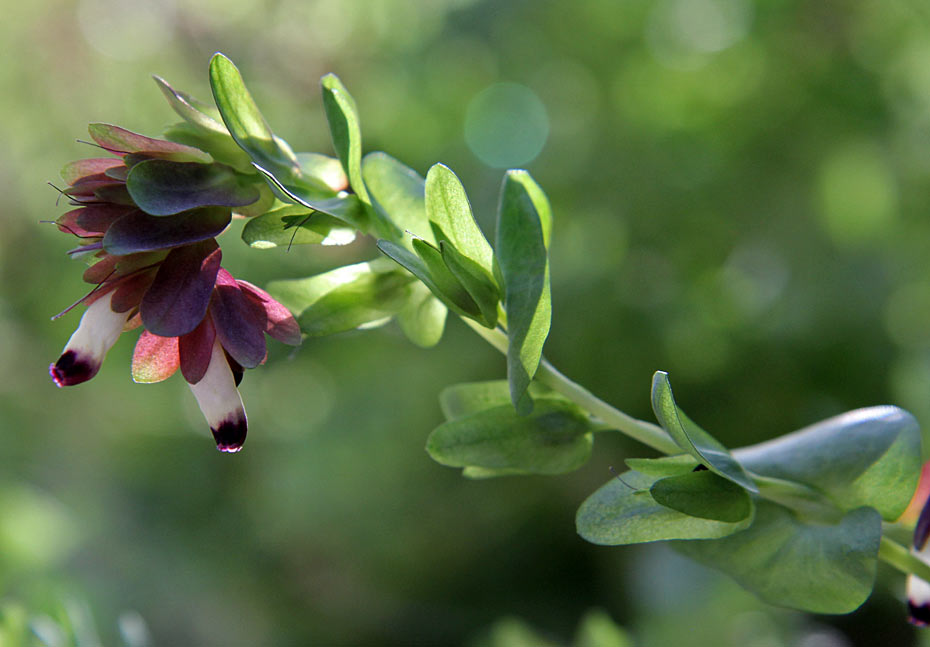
pixel 297 227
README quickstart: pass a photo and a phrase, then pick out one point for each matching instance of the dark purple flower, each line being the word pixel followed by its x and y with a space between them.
pixel 158 266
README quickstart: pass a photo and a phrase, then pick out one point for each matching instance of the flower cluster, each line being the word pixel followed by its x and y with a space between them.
pixel 149 216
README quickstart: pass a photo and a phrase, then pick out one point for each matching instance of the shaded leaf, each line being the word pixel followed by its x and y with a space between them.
pixel 522 230
pixel 346 208
pixel 460 400
pixel 818 567
pixel 863 457
pixel 703 494
pixel 342 116
pixel 140 232
pixel 692 438
pixel 163 188
pixel 240 323
pixel 178 298
pixel 554 439
pixel 478 283
pixel 625 512
pixel 451 290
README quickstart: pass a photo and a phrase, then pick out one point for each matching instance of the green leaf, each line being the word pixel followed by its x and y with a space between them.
pixel 191 110
pixel 554 439
pixel 162 188
pixel 478 283
pixel 371 299
pixel 461 400
pixel 663 466
pixel 481 473
pixel 396 193
pixel 295 225
pixel 818 567
pixel 346 208
pixel 522 226
pixel 245 122
pixel 116 139
pixel 419 268
pixel 703 494
pixel 346 298
pixel 691 438
pixel 221 147
pixel 625 512
pixel 597 629
pixel 326 171
pixel 423 319
pixel 451 290
pixel 449 211
pixel 342 116
pixel 867 457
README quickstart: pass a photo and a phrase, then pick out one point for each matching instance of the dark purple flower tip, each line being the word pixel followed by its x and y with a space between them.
pixel 230 434
pixel 918 614
pixel 73 368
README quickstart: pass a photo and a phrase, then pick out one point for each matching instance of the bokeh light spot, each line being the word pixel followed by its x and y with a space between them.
pixel 857 193
pixel 506 125
pixel 682 33
pixel 127 29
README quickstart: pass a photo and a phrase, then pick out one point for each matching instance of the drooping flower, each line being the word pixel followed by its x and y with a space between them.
pixel 149 217
pixel 918 590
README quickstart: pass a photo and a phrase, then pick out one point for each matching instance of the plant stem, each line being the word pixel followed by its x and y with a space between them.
pixel 640 430
pixel 889 551
pixel 893 553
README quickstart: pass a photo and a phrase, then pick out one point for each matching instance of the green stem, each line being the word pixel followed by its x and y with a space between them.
pixel 640 430
pixel 893 553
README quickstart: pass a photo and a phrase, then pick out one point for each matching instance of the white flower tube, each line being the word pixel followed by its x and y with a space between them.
pixel 220 402
pixel 83 355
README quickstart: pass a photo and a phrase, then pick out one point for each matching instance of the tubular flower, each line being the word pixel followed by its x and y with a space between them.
pixel 149 218
pixel 918 590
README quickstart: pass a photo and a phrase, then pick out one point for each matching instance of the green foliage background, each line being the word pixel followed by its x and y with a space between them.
pixel 741 193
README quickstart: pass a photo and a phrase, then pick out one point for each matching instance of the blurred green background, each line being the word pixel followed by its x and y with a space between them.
pixel 741 192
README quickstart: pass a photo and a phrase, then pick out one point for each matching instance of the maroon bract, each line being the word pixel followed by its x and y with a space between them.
pixel 162 271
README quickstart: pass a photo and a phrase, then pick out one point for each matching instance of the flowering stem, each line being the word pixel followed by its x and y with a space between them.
pixel 644 432
pixel 893 553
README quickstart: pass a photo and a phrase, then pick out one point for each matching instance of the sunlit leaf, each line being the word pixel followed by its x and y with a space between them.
pixel 345 298
pixel 245 122
pixel 295 225
pixel 396 193
pixel 423 319
pixel 448 209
